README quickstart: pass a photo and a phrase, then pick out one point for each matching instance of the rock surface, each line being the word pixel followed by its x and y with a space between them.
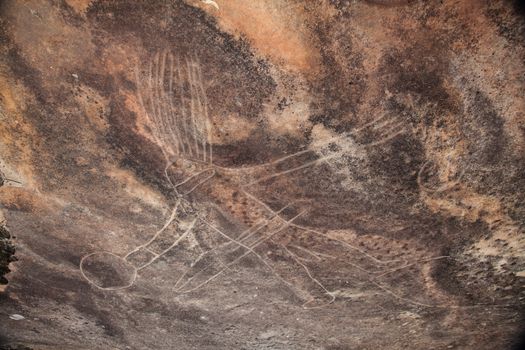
pixel 235 174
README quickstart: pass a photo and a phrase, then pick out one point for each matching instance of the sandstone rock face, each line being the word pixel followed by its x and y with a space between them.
pixel 266 174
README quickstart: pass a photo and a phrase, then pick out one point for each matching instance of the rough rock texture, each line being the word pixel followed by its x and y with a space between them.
pixel 271 174
pixel 7 252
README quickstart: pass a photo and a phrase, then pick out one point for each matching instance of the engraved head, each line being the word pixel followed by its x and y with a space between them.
pixel 107 271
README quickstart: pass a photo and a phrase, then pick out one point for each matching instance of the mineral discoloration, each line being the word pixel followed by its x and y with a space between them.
pixel 273 174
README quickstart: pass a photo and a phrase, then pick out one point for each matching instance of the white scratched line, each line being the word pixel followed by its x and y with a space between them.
pixel 306 165
pixel 206 115
pixel 183 108
pixel 171 246
pixel 250 250
pixel 166 224
pixel 192 105
pixel 142 105
pixel 172 120
pixel 201 116
pixel 315 280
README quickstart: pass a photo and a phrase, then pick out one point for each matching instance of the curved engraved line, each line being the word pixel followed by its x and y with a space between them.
pixel 388 125
pixel 168 222
pixel 317 145
pixel 380 262
pixel 107 288
pixel 442 188
pixel 315 280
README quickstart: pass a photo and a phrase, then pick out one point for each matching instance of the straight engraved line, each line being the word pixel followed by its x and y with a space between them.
pixel 315 280
pixel 176 122
pixel 345 243
pixel 201 115
pixel 316 145
pixel 216 248
pixel 172 120
pixel 152 82
pixel 155 99
pixel 385 139
pixel 292 170
pixel 206 115
pixel 320 233
pixel 275 214
pixel 168 222
pixel 151 251
pixel 183 108
pixel 191 177
pixel 161 100
pixel 168 116
pixel 239 258
pixel 240 238
pixel 307 251
pixel 141 102
pixel 171 246
pixel 192 106
pixel 200 183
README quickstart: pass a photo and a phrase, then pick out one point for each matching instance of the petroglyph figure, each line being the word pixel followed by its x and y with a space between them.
pixel 172 95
